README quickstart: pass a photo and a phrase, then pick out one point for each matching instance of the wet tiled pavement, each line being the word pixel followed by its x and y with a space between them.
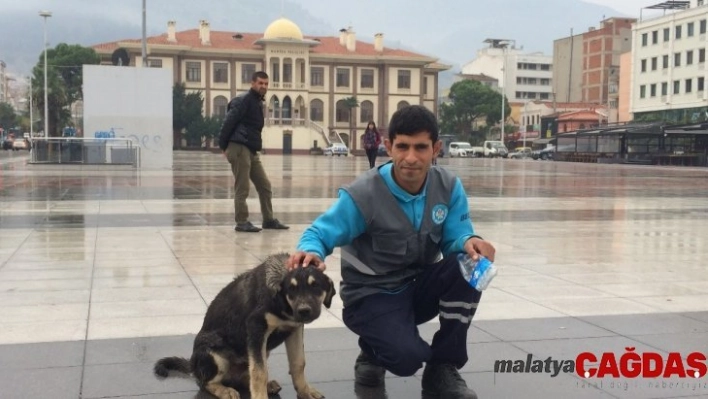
pixel 103 271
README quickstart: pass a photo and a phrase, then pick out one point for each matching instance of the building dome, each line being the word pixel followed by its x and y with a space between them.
pixel 283 29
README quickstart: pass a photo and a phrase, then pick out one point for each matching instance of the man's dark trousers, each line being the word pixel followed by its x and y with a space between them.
pixel 387 324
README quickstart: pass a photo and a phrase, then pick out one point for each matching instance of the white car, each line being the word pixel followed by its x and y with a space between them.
pixel 337 149
pixel 20 144
pixel 460 149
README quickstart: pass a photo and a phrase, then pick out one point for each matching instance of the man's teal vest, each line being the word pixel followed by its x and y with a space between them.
pixel 391 252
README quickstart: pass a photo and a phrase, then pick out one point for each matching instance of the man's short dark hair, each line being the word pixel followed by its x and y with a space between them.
pixel 411 120
pixel 258 75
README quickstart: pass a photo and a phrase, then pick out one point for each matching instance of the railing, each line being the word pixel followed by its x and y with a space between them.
pixel 84 151
pixel 319 129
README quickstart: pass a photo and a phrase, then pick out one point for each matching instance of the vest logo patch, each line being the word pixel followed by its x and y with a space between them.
pixel 439 213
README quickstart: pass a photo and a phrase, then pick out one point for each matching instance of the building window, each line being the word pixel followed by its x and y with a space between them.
pixel 689 85
pixel 275 71
pixel 220 104
pixel 644 65
pixel 652 90
pixel 404 79
pixel 702 27
pixel 655 37
pixel 366 111
pixel 287 73
pixel 667 34
pixel 678 32
pixel 367 78
pixel 342 112
pixel 689 29
pixel 701 56
pixel 194 71
pixel 665 61
pixel 545 96
pixel 154 63
pixel 247 71
pixel 221 72
pixel 425 85
pixel 317 76
pixel 545 67
pixel 677 86
pixel 664 88
pixel 546 82
pixel 342 77
pixel 701 84
pixel 689 57
pixel 642 91
pixel 644 39
pixel 677 59
pixel 654 62
pixel 317 110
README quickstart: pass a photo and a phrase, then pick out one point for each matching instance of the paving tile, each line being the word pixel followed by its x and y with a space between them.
pixel 41 355
pixel 58 382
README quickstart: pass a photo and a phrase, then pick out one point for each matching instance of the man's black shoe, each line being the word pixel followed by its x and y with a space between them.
pixel 367 373
pixel 275 225
pixel 444 381
pixel 247 227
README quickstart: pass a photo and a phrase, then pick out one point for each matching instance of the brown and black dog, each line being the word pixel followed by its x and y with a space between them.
pixel 259 310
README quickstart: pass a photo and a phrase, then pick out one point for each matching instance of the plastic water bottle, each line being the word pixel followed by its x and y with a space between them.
pixel 478 273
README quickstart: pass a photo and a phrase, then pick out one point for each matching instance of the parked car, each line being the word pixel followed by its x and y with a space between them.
pixel 7 144
pixel 521 153
pixel 544 154
pixel 20 144
pixel 494 149
pixel 460 149
pixel 337 149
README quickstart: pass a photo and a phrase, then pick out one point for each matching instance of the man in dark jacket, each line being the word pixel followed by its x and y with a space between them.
pixel 240 140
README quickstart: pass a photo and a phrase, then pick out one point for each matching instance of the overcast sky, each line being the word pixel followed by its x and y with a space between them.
pixel 629 7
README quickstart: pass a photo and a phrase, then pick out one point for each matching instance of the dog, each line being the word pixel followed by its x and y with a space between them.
pixel 259 310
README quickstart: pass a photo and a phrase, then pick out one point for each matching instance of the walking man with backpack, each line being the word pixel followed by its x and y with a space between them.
pixel 372 140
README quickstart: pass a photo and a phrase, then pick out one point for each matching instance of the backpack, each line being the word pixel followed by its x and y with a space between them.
pixel 370 140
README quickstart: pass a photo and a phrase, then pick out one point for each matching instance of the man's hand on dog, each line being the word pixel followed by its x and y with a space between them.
pixel 301 258
pixel 476 246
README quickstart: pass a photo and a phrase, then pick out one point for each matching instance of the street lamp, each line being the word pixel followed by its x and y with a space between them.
pixel 45 15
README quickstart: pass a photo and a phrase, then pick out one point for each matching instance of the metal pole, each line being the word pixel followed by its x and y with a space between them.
pixel 144 53
pixel 31 106
pixel 503 110
pixel 45 15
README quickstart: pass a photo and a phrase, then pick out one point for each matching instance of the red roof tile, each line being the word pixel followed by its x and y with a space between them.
pixel 226 41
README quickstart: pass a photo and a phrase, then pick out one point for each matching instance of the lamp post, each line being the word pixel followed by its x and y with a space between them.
pixel 144 39
pixel 31 106
pixel 45 15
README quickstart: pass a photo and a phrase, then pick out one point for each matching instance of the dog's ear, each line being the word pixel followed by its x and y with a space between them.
pixel 331 292
pixel 274 281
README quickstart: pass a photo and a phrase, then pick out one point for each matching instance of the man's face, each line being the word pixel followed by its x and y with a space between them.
pixel 260 85
pixel 412 157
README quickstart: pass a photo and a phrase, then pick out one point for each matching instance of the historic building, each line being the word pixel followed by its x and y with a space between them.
pixel 312 79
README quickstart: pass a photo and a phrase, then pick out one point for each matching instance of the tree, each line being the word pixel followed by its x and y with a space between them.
pixel 470 100
pixel 8 118
pixel 203 129
pixel 186 109
pixel 64 82
pixel 351 103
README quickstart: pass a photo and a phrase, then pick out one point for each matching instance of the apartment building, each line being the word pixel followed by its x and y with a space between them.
pixel 669 65
pixel 521 76
pixel 311 77
pixel 586 66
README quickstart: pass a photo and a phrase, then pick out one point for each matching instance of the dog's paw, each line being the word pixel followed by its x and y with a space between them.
pixel 227 393
pixel 309 393
pixel 274 387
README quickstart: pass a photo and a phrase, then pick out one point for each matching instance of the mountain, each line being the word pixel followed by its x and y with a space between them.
pixel 452 30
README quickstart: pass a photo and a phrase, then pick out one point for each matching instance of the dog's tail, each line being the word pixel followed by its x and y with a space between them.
pixel 166 364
